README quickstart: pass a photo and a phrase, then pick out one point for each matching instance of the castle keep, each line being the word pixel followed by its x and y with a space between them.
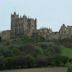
pixel 25 26
pixel 21 26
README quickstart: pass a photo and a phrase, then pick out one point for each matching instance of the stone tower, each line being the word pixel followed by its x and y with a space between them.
pixel 21 26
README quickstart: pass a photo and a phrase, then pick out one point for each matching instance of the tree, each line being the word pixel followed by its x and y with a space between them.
pixel 0 38
pixel 41 61
pixel 10 62
pixel 30 61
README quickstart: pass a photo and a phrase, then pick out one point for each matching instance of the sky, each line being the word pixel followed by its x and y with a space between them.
pixel 49 13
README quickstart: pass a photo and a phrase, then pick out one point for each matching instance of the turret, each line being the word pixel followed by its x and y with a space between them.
pixel 35 24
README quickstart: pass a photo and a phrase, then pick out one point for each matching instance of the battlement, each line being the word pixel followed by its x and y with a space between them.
pixel 17 16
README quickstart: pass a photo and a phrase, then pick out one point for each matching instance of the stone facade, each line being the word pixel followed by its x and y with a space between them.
pixel 53 36
pixel 5 35
pixel 63 33
pixel 21 26
pixel 44 32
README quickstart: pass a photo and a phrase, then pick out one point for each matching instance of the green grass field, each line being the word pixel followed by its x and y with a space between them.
pixel 67 52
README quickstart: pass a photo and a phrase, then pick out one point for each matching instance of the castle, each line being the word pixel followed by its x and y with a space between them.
pixel 25 26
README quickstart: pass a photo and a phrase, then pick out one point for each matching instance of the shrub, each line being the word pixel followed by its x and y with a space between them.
pixel 69 68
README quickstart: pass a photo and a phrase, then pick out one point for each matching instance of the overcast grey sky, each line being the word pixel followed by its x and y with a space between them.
pixel 49 13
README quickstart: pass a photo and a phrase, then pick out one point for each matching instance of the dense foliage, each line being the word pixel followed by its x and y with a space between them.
pixel 69 68
pixel 31 52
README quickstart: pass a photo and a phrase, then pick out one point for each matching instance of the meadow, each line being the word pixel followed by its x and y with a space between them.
pixel 67 52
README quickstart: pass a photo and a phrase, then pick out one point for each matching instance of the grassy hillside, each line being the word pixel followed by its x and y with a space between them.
pixel 67 52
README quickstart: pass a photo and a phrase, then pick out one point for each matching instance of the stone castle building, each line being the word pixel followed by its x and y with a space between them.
pixel 25 26
pixel 64 33
pixel 21 26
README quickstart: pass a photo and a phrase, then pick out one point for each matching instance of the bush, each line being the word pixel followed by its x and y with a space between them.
pixel 69 68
